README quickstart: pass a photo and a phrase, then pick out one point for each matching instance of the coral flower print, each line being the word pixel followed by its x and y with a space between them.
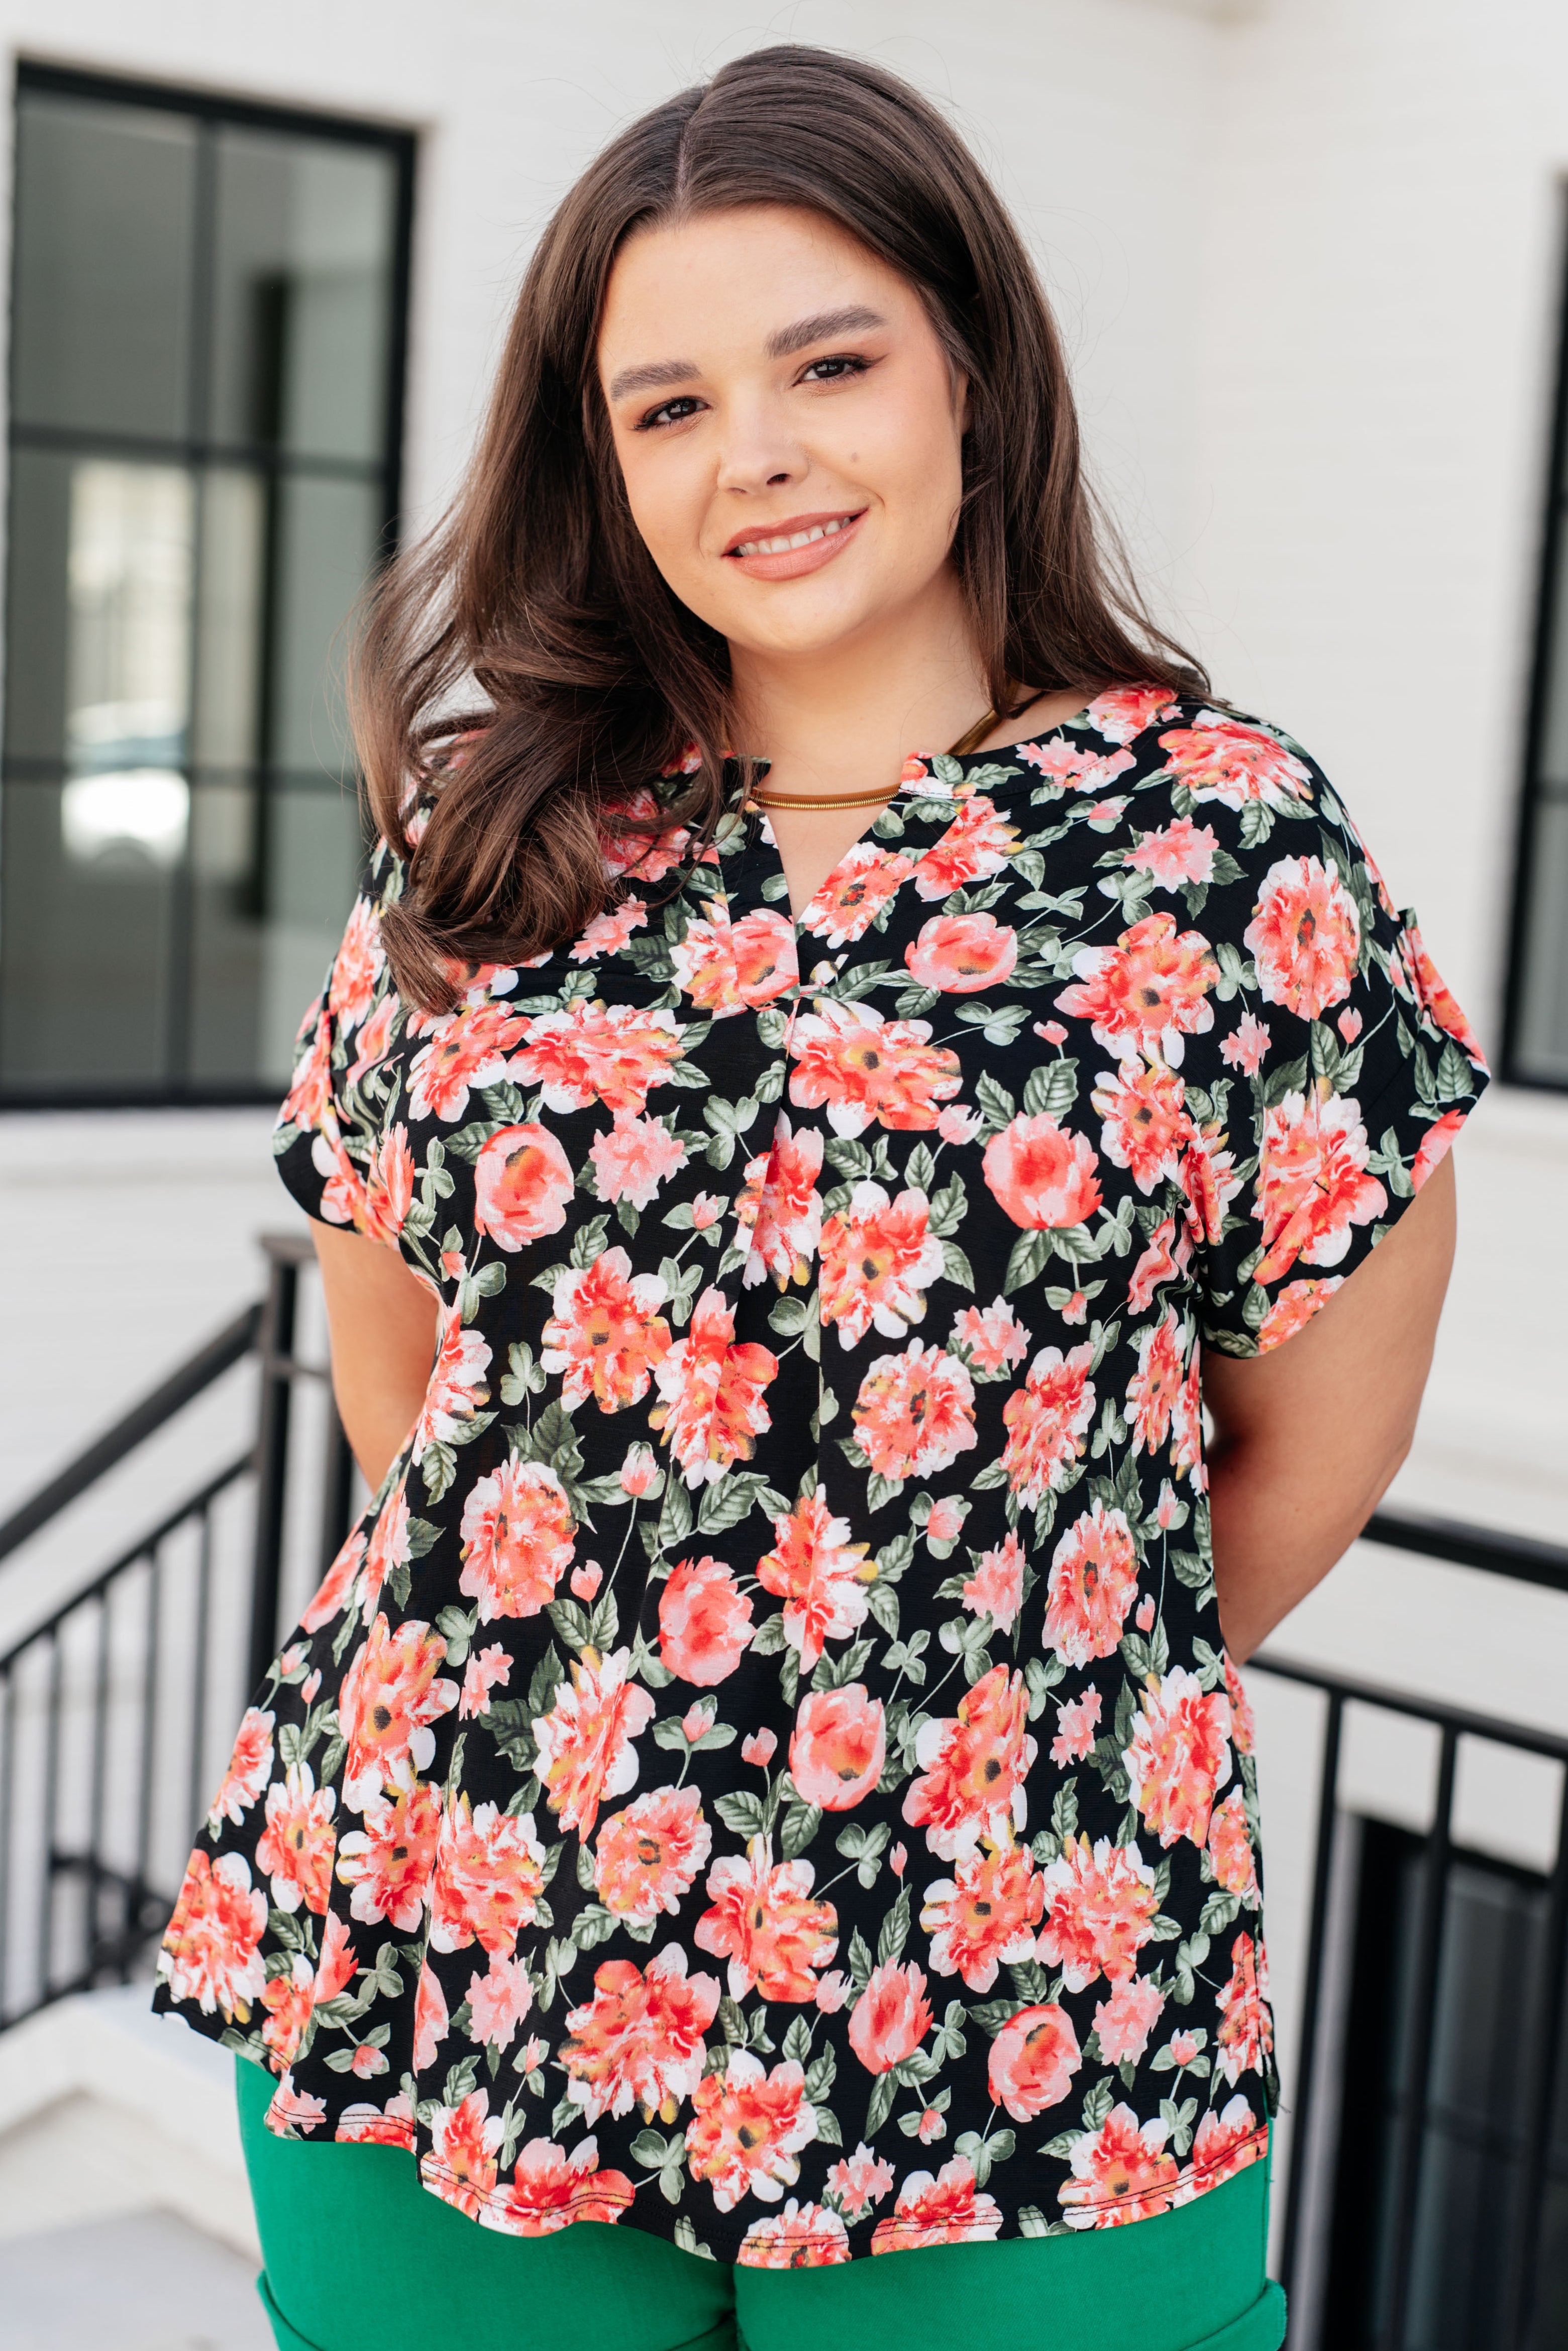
pixel 1100 1906
pixel 712 1410
pixel 859 888
pixel 985 1915
pixel 606 1337
pixel 995 1588
pixel 489 1878
pixel 586 1742
pixel 639 2041
pixel 249 1770
pixel 211 1953
pixel 297 1847
pixel 549 2189
pixel 960 954
pixel 972 1768
pixel 1313 1185
pixel 891 2018
pixel 391 1695
pixel 1043 1177
pixel 1305 936
pixel 521 1185
pixel 976 844
pixel 388 1860
pixel 705 1622
pixel 764 1919
pixel 1033 2060
pixel 1221 759
pixel 838 1744
pixel 1046 1421
pixel 633 1159
pixel 647 1858
pixel 994 1338
pixel 1145 1126
pixel 949 2210
pixel 1093 1584
pixel 878 1259
pixel 748 2126
pixel 777 1695
pixel 1245 2036
pixel 1180 1755
pixel 779 1209
pixel 914 1412
pixel 467 1048
pixel 609 1053
pixel 1124 2021
pixel 461 2164
pixel 1230 1848
pixel 1121 2173
pixel 1149 992
pixel 866 1071
pixel 822 1577
pixel 802 2237
pixel 517 1532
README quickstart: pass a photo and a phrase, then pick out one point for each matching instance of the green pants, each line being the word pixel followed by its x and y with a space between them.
pixel 359 2257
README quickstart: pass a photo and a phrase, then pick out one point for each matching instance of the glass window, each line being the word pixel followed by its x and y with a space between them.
pixel 1536 1041
pixel 205 389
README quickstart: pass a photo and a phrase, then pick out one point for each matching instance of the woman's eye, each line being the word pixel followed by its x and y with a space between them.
pixel 832 371
pixel 673 412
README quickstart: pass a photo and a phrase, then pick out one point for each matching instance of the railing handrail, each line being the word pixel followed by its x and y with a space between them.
pixel 1494 1549
pixel 143 1420
pixel 1460 1720
pixel 138 1551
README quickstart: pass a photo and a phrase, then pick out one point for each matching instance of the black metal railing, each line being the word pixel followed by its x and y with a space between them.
pixel 1526 2280
pixel 109 1707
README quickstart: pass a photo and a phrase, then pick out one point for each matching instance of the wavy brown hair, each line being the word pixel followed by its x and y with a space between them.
pixel 534 621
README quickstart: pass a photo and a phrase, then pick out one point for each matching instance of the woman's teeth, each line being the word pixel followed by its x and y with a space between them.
pixel 798 539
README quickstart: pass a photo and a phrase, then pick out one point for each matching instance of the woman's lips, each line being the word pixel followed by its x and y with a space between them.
pixel 825 537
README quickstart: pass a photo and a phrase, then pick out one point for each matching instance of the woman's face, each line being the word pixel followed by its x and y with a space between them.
pixel 787 424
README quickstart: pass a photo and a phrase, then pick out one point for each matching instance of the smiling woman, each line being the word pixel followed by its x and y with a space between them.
pixel 782 1700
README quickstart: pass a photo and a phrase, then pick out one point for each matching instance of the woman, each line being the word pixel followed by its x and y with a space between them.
pixel 765 1778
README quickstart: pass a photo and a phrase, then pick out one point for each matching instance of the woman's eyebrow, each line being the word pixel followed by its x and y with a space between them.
pixel 659 375
pixel 654 375
pixel 853 321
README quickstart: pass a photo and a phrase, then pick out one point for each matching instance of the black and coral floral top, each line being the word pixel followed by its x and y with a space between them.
pixel 765 1769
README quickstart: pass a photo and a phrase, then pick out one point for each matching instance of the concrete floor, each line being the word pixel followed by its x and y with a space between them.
pixel 147 2282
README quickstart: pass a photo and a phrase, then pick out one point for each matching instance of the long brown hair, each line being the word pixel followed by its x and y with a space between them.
pixel 534 620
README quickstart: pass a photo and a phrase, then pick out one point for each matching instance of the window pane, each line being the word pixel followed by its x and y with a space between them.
pixel 311 858
pixel 1542 1045
pixel 229 622
pixel 86 915
pixel 101 317
pixel 327 535
pixel 303 295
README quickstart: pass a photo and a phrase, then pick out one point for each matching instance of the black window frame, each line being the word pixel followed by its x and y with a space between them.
pixel 210 112
pixel 1535 792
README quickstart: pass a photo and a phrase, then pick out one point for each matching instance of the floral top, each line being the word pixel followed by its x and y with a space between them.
pixel 765 1768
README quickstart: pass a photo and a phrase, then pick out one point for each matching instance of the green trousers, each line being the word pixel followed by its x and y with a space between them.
pixel 359 2257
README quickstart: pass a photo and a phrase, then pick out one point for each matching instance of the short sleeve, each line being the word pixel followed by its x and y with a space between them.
pixel 331 1136
pixel 1336 1074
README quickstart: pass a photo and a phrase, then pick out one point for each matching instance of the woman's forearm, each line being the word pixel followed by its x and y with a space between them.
pixel 384 1324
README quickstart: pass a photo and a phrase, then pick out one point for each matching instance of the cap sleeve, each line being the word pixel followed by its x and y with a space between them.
pixel 1334 1078
pixel 329 1140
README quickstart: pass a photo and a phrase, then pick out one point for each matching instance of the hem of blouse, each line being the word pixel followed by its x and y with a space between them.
pixel 492 2203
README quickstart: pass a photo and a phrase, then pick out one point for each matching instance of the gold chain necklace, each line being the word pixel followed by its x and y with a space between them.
pixel 815 804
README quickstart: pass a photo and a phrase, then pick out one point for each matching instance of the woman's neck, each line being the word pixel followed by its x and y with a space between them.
pixel 854 712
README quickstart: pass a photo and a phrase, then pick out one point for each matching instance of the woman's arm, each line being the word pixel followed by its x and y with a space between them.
pixel 382 1321
pixel 1307 1438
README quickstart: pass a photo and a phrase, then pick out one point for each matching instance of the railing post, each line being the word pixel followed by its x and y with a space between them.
pixel 277 1351
pixel 1410 2137
pixel 1307 2039
pixel 1544 2036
